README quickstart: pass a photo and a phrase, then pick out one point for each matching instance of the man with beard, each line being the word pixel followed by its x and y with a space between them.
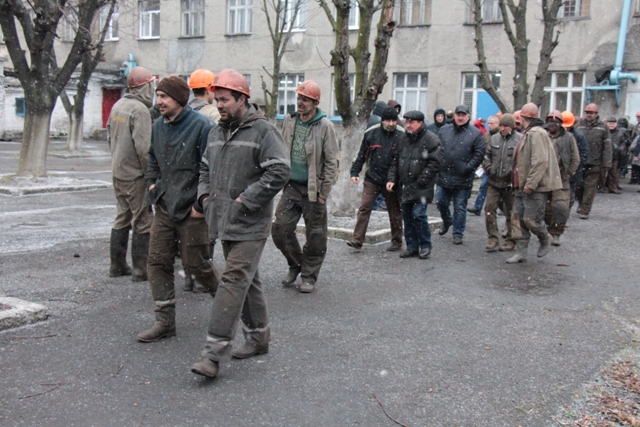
pixel 413 172
pixel 535 176
pixel 245 165
pixel 178 140
pixel 463 150
pixel 377 149
pixel 311 140
pixel 129 138
pixel 568 157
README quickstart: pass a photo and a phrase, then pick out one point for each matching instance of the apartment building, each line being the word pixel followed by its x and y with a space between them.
pixel 430 65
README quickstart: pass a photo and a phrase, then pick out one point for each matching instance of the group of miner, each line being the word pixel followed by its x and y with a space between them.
pixel 189 173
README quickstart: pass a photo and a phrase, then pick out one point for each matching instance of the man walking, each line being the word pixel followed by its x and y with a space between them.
pixel 129 138
pixel 498 167
pixel 178 140
pixel 202 101
pixel 377 150
pixel 568 158
pixel 568 122
pixel 463 151
pixel 535 176
pixel 600 155
pixel 493 123
pixel 413 173
pixel 311 141
pixel 245 165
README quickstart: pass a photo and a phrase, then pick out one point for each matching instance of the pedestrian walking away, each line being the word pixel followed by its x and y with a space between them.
pixel 311 141
pixel 178 141
pixel 245 165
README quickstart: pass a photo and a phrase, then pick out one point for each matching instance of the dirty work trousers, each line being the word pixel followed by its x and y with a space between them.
pixel 239 295
pixel 528 215
pixel 369 194
pixel 586 190
pixel 294 203
pixel 191 237
pixel 495 196
pixel 131 213
pixel 557 209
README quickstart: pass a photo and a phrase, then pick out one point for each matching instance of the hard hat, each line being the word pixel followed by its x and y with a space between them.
pixel 530 111
pixel 591 107
pixel 231 79
pixel 555 114
pixel 310 89
pixel 516 116
pixel 201 78
pixel 138 76
pixel 568 119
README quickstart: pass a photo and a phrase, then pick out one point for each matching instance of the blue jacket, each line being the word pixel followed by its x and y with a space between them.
pixel 464 150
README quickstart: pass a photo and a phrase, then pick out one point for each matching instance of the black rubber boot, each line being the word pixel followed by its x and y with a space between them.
pixel 139 256
pixel 119 242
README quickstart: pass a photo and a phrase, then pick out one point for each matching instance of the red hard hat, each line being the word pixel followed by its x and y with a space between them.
pixel 529 111
pixel 138 76
pixel 231 79
pixel 201 78
pixel 310 89
pixel 555 114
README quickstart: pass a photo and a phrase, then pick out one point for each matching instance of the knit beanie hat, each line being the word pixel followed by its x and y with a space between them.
pixel 389 113
pixel 508 120
pixel 175 87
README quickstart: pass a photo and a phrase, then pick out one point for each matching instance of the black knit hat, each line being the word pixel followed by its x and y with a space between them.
pixel 389 113
pixel 175 87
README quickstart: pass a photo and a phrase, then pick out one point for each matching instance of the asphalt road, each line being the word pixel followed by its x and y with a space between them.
pixel 461 339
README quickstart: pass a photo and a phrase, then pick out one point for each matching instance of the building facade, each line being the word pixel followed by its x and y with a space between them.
pixel 430 65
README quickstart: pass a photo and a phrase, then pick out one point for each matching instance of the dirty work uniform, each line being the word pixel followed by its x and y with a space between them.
pixel 206 109
pixel 600 155
pixel 314 153
pixel 246 160
pixel 174 162
pixel 557 209
pixel 498 165
pixel 129 138
pixel 377 150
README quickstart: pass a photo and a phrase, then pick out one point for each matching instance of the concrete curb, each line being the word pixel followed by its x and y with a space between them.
pixel 22 191
pixel 21 313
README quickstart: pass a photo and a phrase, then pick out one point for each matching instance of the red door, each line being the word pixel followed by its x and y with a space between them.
pixel 109 97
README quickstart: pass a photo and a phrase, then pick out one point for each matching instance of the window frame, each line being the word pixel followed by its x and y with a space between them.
pixel 147 18
pixel 300 23
pixel 493 5
pixel 580 8
pixel 570 89
pixel 404 15
pixel 113 23
pixel 69 25
pixel 285 90
pixel 400 92
pixel 354 15
pixel 235 25
pixel 189 17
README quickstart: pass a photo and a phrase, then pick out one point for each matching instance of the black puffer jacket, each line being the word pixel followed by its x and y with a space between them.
pixel 464 150
pixel 377 149
pixel 415 165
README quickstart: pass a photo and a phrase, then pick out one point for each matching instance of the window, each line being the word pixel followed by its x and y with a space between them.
pixel 239 17
pixel 410 90
pixel 412 12
pixel 636 11
pixel 20 107
pixel 192 18
pixel 574 9
pixel 352 94
pixel 287 92
pixel 300 21
pixel 354 15
pixel 69 25
pixel 149 19
pixel 112 30
pixel 248 77
pixel 566 91
pixel 476 98
pixel 490 12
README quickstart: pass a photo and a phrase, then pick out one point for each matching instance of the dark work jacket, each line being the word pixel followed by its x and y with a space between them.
pixel 498 159
pixel 377 150
pixel 174 162
pixel 415 166
pixel 598 137
pixel 583 149
pixel 464 149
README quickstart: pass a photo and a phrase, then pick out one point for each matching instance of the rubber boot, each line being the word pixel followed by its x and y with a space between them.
pixel 544 245
pixel 521 252
pixel 139 256
pixel 164 327
pixel 118 250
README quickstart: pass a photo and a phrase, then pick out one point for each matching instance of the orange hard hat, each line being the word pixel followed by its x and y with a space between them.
pixel 591 107
pixel 310 89
pixel 555 114
pixel 529 111
pixel 568 119
pixel 201 78
pixel 138 76
pixel 231 79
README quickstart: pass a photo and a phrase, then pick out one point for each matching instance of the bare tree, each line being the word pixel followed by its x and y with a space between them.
pixel 40 77
pixel 516 14
pixel 370 78
pixel 280 16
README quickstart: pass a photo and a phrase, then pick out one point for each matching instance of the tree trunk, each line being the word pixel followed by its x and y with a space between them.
pixel 35 141
pixel 344 195
pixel 76 126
